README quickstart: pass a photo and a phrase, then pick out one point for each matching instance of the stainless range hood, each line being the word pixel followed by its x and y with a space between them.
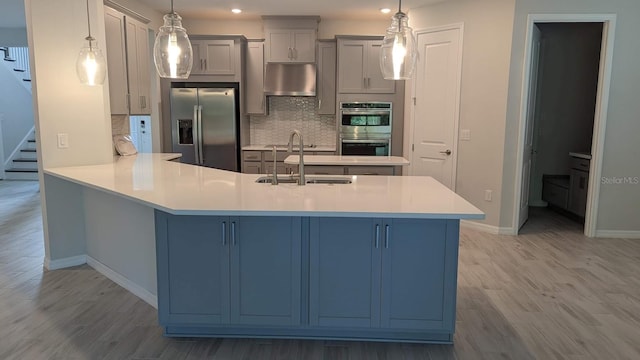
pixel 290 79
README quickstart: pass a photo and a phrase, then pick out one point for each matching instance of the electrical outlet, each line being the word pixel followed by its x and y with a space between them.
pixel 63 140
pixel 487 195
pixel 465 134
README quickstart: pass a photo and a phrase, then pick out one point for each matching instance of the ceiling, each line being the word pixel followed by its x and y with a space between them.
pixel 12 11
pixel 253 9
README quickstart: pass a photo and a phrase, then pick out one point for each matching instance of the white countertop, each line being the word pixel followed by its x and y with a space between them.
pixel 284 148
pixel 184 189
pixel 348 160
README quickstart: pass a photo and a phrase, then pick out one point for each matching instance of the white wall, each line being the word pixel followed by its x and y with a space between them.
pixel 252 29
pixel 483 101
pixel 619 203
pixel 16 112
pixel 63 105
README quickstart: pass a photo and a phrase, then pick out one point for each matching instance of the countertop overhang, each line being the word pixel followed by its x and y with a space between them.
pixel 183 189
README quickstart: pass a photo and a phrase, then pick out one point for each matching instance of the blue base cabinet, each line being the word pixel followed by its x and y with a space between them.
pixel 307 278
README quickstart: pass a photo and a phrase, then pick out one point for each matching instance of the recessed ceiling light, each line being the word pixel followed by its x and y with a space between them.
pixel 236 11
pixel 385 10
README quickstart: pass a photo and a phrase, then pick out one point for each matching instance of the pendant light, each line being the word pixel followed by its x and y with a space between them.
pixel 91 66
pixel 172 51
pixel 398 54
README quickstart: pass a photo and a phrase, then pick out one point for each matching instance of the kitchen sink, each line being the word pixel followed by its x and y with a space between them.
pixel 309 180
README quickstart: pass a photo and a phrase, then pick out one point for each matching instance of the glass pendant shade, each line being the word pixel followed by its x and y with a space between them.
pixel 399 53
pixel 91 66
pixel 172 51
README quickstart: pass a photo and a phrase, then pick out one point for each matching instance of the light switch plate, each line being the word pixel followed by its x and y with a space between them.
pixel 465 134
pixel 63 140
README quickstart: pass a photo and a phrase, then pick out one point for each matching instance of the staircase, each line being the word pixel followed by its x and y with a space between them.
pixel 23 165
pixel 17 58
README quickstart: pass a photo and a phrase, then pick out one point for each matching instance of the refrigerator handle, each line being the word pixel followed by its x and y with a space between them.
pixel 196 131
pixel 200 134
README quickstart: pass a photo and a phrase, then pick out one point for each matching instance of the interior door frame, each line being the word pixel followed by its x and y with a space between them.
pixel 600 116
pixel 410 87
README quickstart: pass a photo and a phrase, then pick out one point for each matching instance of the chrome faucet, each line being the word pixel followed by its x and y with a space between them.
pixel 274 179
pixel 301 179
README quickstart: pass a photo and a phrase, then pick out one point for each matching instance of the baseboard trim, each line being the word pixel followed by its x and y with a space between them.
pixel 132 287
pixel 64 262
pixel 618 234
pixel 496 230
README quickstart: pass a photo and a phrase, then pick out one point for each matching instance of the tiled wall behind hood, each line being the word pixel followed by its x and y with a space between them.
pixel 287 114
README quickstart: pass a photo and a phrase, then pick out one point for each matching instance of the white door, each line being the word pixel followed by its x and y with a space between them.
pixel 435 112
pixel 528 134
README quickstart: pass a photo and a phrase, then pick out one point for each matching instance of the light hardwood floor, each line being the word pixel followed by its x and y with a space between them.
pixel 549 293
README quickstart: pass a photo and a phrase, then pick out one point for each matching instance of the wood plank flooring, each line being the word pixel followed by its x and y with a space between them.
pixel 549 293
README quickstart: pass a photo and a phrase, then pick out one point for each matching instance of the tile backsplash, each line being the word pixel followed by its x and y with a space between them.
pixel 287 114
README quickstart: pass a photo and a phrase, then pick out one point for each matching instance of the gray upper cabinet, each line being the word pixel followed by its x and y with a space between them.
pixel 116 61
pixel 138 67
pixel 326 84
pixel 359 68
pixel 290 45
pixel 128 64
pixel 221 270
pixel 344 269
pixel 255 98
pixel 213 57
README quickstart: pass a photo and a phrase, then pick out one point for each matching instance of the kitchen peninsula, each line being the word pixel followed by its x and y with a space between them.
pixel 372 260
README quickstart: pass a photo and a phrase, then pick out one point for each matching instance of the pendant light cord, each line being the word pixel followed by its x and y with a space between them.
pixel 89 38
pixel 399 5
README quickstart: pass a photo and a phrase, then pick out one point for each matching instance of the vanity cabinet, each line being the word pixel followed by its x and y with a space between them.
pixel 579 183
pixel 326 82
pixel 228 270
pixel 128 64
pixel 255 98
pixel 213 57
pixel 378 277
pixel 290 45
pixel 359 67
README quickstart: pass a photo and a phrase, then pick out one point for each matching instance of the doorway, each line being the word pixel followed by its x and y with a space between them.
pixel 563 115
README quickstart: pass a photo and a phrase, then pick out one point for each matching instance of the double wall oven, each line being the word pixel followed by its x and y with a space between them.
pixel 365 128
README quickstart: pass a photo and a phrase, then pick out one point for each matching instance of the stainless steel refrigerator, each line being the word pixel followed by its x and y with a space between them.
pixel 204 123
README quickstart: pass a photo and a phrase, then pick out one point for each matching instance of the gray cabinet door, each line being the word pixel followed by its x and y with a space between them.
pixel 416 265
pixel 265 270
pixel 193 269
pixel 344 269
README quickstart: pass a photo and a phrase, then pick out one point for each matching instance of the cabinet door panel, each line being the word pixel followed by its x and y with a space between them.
pixel 413 268
pixel 197 274
pixel 116 61
pixel 376 82
pixel 278 46
pixel 138 67
pixel 304 45
pixel 255 78
pixel 344 273
pixel 219 57
pixel 197 47
pixel 326 90
pixel 351 58
pixel 265 270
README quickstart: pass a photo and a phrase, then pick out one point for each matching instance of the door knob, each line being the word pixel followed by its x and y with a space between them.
pixel 448 152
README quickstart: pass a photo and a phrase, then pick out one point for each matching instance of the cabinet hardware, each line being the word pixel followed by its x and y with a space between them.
pixel 201 65
pixel 447 152
pixel 386 236
pixel 233 233
pixel 377 236
pixel 295 53
pixel 224 233
pixel 205 64
pixel 319 103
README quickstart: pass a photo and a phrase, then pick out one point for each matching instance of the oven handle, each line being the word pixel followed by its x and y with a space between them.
pixel 365 141
pixel 365 112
